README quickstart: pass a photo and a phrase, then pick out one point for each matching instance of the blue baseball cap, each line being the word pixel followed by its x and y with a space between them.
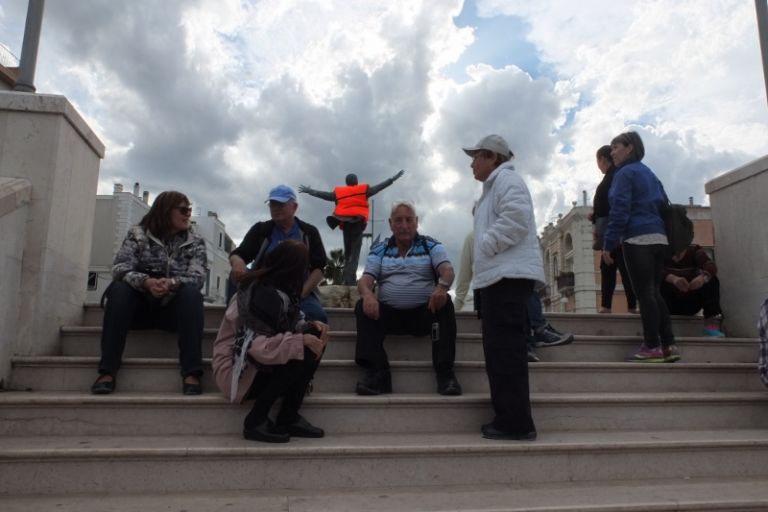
pixel 281 194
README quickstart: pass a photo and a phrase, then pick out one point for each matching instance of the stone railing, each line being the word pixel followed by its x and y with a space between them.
pixel 15 195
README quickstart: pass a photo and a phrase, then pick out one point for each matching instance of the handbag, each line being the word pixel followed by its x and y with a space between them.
pixel 678 226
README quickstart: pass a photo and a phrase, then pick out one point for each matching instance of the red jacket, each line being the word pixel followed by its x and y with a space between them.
pixel 352 201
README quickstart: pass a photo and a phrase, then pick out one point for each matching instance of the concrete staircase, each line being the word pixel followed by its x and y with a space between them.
pixel 612 435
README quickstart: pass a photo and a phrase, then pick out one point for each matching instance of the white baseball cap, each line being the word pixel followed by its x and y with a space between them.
pixel 495 143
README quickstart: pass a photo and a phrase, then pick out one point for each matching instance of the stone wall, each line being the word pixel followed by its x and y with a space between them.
pixel 45 141
pixel 739 213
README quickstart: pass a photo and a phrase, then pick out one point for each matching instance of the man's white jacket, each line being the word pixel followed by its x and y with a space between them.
pixel 506 245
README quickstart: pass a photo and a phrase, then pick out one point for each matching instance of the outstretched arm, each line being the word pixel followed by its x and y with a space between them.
pixel 375 189
pixel 328 196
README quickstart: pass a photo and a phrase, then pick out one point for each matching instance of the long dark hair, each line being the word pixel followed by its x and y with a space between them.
pixel 284 268
pixel 605 152
pixel 158 219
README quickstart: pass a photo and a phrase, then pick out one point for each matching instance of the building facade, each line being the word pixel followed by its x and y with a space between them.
pixel 572 267
pixel 116 213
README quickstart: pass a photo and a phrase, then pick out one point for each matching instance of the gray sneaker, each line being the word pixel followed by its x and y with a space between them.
pixel 548 336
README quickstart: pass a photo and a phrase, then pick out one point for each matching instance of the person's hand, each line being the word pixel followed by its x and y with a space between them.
pixel 325 331
pixel 607 258
pixel 438 299
pixel 398 175
pixel 680 283
pixel 696 283
pixel 315 344
pixel 156 287
pixel 303 189
pixel 238 269
pixel 371 307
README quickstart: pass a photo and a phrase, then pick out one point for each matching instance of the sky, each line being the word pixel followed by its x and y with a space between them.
pixel 224 99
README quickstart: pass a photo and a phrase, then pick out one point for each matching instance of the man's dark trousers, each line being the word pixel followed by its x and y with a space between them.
pixel 353 241
pixel 370 353
pixel 503 310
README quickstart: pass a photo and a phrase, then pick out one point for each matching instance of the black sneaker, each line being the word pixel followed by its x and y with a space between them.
pixel 532 357
pixel 375 383
pixel 548 336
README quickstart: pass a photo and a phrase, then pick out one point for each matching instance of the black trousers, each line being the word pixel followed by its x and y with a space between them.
pixel 645 264
pixel 608 280
pixel 353 241
pixel 370 353
pixel 128 309
pixel 288 381
pixel 504 319
pixel 707 298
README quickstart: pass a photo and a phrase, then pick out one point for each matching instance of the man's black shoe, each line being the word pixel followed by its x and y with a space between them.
pixel 375 383
pixel 300 428
pixel 265 433
pixel 548 336
pixel 449 386
pixel 104 387
pixel 532 356
pixel 491 432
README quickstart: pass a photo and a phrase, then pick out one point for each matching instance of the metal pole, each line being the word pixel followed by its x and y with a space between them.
pixel 373 203
pixel 761 8
pixel 25 81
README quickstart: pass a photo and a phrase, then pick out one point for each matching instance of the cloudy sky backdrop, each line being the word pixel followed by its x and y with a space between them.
pixel 223 99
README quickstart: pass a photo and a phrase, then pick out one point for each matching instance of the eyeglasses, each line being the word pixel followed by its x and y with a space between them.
pixel 184 210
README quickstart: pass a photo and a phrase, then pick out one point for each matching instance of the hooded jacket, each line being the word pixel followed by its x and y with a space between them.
pixel 506 245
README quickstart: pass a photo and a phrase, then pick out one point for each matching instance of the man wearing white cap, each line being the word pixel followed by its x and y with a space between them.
pixel 506 267
pixel 263 237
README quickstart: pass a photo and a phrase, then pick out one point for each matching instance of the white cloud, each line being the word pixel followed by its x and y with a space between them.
pixel 227 98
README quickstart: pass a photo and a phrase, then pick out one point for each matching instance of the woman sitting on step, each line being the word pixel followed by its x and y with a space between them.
pixel 266 350
pixel 158 273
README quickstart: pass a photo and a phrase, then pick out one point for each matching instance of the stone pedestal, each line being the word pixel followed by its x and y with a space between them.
pixel 45 141
pixel 739 214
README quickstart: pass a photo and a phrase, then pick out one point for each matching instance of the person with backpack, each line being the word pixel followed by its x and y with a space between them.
pixel 636 197
pixel 264 237
pixel 414 275
pixel 157 276
pixel 265 350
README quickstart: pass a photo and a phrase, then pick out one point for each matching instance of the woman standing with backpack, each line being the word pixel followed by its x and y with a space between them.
pixel 635 222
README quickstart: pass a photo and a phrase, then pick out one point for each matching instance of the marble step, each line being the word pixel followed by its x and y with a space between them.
pixel 167 414
pixel 343 319
pixel 339 376
pixel 637 495
pixel 40 465
pixel 84 341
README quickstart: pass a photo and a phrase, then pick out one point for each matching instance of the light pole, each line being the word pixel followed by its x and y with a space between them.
pixel 25 81
pixel 761 8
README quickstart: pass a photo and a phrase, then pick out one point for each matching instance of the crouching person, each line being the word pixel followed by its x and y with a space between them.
pixel 157 276
pixel 265 350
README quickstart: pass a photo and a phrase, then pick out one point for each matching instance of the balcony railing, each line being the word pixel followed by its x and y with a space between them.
pixel 565 282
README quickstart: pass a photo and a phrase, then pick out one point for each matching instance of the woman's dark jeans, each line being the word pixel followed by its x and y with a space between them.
pixel 128 308
pixel 645 264
pixel 608 281
pixel 290 381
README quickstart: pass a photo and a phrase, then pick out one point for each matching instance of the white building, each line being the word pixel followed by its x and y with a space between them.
pixel 116 213
pixel 572 267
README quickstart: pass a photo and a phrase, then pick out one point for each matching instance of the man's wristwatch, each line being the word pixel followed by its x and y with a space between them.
pixel 445 284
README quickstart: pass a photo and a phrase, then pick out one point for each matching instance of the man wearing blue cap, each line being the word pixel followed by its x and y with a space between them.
pixel 263 237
